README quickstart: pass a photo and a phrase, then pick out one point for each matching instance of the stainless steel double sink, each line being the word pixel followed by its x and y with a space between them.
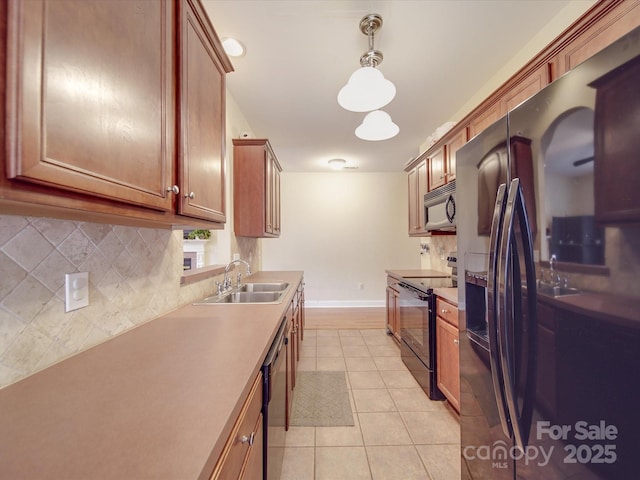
pixel 258 292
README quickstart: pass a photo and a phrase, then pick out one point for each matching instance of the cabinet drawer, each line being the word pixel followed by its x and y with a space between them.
pixel 244 436
pixel 447 312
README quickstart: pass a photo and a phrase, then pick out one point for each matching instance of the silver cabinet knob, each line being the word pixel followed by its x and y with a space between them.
pixel 175 189
pixel 456 341
pixel 249 439
pixel 190 195
pixel 444 310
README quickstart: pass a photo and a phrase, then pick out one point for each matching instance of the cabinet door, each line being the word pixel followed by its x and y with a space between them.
pixel 621 18
pixel 392 307
pixel 417 185
pixel 448 367
pixel 484 119
pixel 202 118
pixel 90 96
pixel 436 169
pixel 272 194
pixel 525 89
pixel 276 200
pixel 616 173
pixel 451 148
pixel 253 466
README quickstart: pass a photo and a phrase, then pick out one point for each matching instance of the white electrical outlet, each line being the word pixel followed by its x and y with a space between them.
pixel 236 256
pixel 76 290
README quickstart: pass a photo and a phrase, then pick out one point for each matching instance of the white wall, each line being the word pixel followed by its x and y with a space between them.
pixel 343 229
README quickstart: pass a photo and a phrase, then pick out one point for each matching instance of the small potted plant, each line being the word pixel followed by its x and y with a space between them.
pixel 198 235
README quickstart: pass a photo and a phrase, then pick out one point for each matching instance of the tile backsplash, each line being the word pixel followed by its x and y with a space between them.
pixel 134 276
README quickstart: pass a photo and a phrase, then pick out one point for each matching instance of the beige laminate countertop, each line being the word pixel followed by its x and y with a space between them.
pixel 158 401
pixel 450 294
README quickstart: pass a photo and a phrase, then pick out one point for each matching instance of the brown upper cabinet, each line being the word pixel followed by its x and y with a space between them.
pixel 417 175
pixel 256 189
pixel 616 172
pixel 436 166
pixel 202 116
pixel 453 142
pixel 604 23
pixel 611 20
pixel 92 128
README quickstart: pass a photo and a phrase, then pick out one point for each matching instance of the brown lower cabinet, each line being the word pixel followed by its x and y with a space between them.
pixel 393 317
pixel 241 457
pixel 447 351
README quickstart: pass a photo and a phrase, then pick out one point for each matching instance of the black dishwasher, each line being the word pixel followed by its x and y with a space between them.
pixel 274 391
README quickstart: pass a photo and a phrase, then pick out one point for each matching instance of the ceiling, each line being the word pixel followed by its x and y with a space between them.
pixel 300 53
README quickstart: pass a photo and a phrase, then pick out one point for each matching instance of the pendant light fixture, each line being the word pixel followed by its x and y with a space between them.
pixel 367 89
pixel 377 125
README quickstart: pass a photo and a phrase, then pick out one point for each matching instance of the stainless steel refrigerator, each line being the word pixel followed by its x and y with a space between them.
pixel 550 359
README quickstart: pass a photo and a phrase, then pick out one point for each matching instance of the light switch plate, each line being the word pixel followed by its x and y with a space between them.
pixel 76 290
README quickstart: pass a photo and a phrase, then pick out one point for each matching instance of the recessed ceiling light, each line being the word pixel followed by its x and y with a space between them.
pixel 233 47
pixel 337 163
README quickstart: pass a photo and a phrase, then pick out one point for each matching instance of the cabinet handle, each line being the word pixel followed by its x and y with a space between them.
pixel 444 311
pixel 456 341
pixel 190 195
pixel 249 439
pixel 175 189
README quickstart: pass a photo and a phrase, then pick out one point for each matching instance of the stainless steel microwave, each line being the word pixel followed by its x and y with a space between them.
pixel 440 208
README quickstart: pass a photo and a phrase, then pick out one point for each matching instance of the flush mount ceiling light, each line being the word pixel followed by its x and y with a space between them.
pixel 337 163
pixel 367 89
pixel 377 125
pixel 233 47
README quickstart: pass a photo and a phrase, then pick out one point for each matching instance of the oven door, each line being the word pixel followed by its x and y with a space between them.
pixel 415 327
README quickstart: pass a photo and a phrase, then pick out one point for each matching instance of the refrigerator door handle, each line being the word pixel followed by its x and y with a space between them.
pixel 492 310
pixel 514 206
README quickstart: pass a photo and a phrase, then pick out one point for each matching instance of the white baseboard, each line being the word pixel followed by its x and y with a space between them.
pixel 344 304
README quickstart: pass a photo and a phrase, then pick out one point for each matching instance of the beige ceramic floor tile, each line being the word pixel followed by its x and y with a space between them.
pixel 379 340
pixel 342 463
pixel 339 436
pixel 399 379
pixel 373 400
pixel 349 333
pixel 377 381
pixel 414 400
pixel 384 351
pixel 355 351
pixel 328 342
pixel 371 379
pixel 329 351
pixel 300 437
pixel 352 341
pixel 309 332
pixel 390 363
pixel 326 333
pixel 307 364
pixel 383 429
pixel 360 364
pixel 396 463
pixel 442 461
pixel 331 364
pixel 308 351
pixel 298 463
pixel 432 427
